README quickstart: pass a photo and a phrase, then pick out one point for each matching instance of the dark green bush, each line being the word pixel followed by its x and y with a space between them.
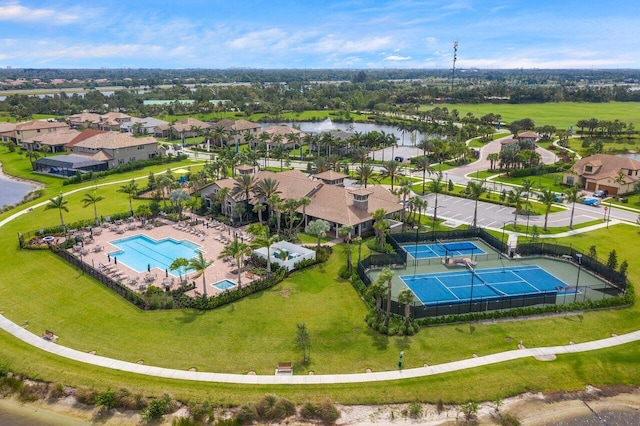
pixel 106 399
pixel 247 414
pixel 154 411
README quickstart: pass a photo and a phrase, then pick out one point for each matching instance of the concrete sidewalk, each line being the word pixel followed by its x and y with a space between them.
pixel 130 367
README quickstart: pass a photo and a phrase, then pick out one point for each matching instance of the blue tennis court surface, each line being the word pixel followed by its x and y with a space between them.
pixel 494 283
pixel 429 251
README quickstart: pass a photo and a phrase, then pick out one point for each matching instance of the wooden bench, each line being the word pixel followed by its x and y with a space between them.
pixel 284 368
pixel 50 336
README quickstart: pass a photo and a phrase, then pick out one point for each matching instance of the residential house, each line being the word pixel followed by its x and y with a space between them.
pixel 331 177
pixel 236 130
pixel 188 128
pixel 85 120
pixel 35 128
pixel 56 141
pixel 146 126
pixel 112 121
pixel 7 132
pixel 524 141
pixel 285 132
pixel 116 148
pixel 618 175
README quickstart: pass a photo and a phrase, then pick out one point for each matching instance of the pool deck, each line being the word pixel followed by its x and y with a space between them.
pixel 212 241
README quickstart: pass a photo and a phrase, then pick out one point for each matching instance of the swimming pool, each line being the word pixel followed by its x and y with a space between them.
pixel 140 252
pixel 224 285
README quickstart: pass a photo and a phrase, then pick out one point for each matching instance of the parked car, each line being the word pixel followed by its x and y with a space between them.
pixel 559 198
pixel 592 201
pixel 601 193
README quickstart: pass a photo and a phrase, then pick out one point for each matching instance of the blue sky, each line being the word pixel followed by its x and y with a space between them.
pixel 364 34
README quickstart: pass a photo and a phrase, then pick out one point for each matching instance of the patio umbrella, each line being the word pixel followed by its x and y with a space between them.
pixel 115 260
pixel 148 267
pixel 166 273
pixel 109 257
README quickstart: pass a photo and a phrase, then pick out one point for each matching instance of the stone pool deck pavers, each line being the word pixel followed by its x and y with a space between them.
pixel 317 379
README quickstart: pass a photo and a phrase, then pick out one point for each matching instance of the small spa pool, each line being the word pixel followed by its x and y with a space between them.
pixel 224 285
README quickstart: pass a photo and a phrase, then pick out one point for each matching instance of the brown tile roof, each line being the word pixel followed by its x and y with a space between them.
pixel 335 204
pixel 605 166
pixel 7 127
pixel 330 175
pixel 40 124
pixel 85 134
pixel 114 140
pixel 239 125
pixel 284 131
pixel 84 117
pixel 186 124
pixel 528 135
pixel 61 137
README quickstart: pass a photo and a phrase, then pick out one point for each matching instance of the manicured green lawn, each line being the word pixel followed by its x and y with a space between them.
pixel 562 114
pixel 256 333
pixel 550 230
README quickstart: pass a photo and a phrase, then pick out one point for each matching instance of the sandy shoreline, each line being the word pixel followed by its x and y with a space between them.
pixel 620 406
pixel 36 184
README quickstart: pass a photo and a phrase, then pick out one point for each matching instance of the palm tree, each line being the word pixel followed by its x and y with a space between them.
pixel 358 240
pixel 526 185
pixel 435 186
pixel 32 156
pixel 423 165
pixel 406 297
pixel 386 276
pixel 364 174
pixel 61 204
pixel 266 188
pixel 493 158
pixel 380 225
pixel 475 190
pixel 345 232
pixel 237 250
pixel 178 264
pixel 89 199
pixel 573 195
pixel 243 185
pixel 391 170
pixel 200 264
pixel 515 197
pixel 319 228
pixel 263 239
pixel 303 202
pixel 178 197
pixel 259 208
pixel 377 290
pixel 130 189
pixel 546 197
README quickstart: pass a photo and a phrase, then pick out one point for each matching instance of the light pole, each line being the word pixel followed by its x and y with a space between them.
pixel 579 256
pixel 415 253
pixel 504 225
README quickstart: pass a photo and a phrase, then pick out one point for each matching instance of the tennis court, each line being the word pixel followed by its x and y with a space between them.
pixel 430 251
pixel 483 284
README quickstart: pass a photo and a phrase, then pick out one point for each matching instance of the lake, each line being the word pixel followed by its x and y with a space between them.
pixel 13 191
pixel 328 125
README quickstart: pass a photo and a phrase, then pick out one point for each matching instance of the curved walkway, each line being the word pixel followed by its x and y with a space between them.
pixel 543 353
pixel 546 353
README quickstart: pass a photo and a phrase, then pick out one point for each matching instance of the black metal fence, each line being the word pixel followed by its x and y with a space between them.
pixel 616 278
pixel 107 281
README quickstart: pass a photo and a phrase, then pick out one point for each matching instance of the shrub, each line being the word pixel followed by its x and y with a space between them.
pixel 86 396
pixel 415 410
pixel 247 414
pixel 329 413
pixel 34 391
pixel 154 411
pixel 106 399
pixel 509 420
pixel 57 391
pixel 310 411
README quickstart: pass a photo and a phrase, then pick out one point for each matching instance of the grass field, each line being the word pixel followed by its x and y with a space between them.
pixel 562 115
pixel 256 333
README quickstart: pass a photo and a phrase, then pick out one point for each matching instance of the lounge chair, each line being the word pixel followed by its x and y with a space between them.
pixel 284 369
pixel 49 335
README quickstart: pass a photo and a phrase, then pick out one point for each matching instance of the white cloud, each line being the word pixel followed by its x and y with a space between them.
pixel 397 58
pixel 17 13
pixel 334 44
pixel 259 39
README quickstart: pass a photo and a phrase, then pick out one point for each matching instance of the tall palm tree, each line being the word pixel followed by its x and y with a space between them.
pixel 90 199
pixel 386 276
pixel 475 190
pixel 61 204
pixel 515 197
pixel 243 186
pixel 178 197
pixel 546 197
pixel 406 297
pixel 364 174
pixel 573 195
pixel 179 264
pixel 266 188
pixel 263 239
pixel 345 232
pixel 390 169
pixel 237 250
pixel 435 186
pixel 303 202
pixel 259 208
pixel 377 291
pixel 130 189
pixel 423 165
pixel 200 265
